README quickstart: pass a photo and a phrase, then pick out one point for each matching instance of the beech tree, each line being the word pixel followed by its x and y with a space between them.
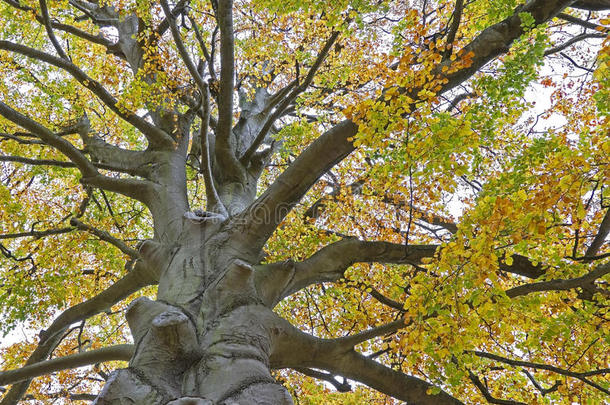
pixel 265 202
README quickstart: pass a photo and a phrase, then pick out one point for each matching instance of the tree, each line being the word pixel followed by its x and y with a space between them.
pixel 355 191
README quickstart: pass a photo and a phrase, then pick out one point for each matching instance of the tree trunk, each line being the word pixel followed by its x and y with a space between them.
pixel 208 338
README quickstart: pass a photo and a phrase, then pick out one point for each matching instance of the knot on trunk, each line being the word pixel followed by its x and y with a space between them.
pixel 166 342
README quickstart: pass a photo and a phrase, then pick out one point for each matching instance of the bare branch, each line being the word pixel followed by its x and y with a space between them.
pixel 112 353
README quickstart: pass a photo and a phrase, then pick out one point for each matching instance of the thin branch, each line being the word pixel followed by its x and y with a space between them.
pixel 47 25
pixel 181 48
pixel 579 375
pixel 155 136
pixel 373 292
pixel 106 237
pixel 36 234
pixel 456 18
pixel 36 162
pixel 560 284
pixel 208 57
pixel 485 392
pixel 97 39
pixel 582 23
pixel 573 62
pixel 387 329
pixel 539 387
pixel 112 353
pixel 572 41
pixel 62 145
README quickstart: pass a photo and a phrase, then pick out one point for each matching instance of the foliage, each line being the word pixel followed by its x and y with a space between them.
pixel 509 170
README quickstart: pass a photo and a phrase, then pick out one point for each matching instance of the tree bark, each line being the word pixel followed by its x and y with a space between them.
pixel 208 338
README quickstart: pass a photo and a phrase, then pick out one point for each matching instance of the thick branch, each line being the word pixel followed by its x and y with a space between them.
pixel 224 153
pixel 118 352
pixel 339 386
pixel 455 21
pixel 142 275
pixel 45 347
pixel 592 5
pixel 275 203
pixel 328 355
pixel 61 163
pixel 329 264
pixel 213 200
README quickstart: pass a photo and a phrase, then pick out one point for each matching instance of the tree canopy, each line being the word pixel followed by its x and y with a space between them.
pixel 418 189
